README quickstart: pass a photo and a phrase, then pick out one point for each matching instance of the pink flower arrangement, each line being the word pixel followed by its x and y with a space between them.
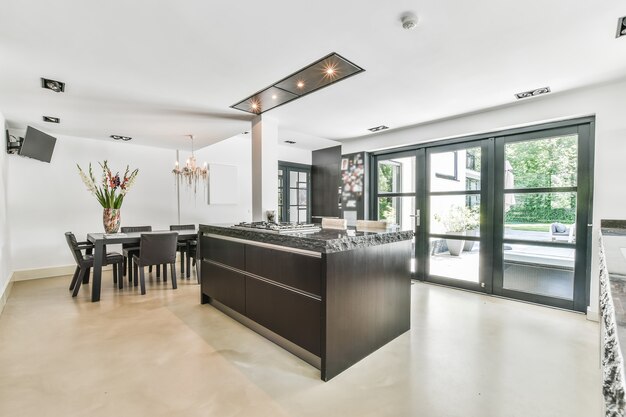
pixel 113 189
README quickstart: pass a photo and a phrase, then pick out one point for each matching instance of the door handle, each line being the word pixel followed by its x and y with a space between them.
pixel 417 217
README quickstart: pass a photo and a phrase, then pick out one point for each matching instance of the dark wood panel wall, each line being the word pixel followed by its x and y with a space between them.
pixel 325 179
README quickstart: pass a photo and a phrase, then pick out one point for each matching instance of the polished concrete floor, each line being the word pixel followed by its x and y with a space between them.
pixel 164 354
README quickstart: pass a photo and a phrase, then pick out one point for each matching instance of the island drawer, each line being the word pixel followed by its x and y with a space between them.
pixel 299 271
pixel 224 285
pixel 223 251
pixel 293 316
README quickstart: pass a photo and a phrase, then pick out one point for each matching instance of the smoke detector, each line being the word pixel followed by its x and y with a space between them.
pixel 409 21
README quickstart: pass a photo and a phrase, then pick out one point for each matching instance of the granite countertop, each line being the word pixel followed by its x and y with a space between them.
pixel 324 241
pixel 613 308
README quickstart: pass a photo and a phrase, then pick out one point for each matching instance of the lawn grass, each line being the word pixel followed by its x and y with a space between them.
pixel 530 227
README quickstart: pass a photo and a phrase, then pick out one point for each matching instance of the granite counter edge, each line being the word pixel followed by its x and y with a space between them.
pixel 306 243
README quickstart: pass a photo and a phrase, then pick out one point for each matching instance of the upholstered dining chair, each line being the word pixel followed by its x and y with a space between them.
pixel 187 249
pixel 130 249
pixel 156 249
pixel 84 263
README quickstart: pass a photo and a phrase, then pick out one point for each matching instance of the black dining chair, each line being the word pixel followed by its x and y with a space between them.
pixel 187 248
pixel 156 249
pixel 130 249
pixel 84 263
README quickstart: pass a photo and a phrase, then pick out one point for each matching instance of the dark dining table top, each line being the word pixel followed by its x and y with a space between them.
pixel 116 238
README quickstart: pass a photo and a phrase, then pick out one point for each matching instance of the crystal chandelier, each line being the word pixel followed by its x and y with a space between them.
pixel 190 174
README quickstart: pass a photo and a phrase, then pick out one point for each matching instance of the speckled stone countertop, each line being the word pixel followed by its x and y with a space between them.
pixel 613 310
pixel 324 241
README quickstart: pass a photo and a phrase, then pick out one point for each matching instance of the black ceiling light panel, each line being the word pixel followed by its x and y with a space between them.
pixel 124 138
pixel 621 27
pixel 54 85
pixel 320 74
pixel 378 128
pixel 532 93
pixel 50 119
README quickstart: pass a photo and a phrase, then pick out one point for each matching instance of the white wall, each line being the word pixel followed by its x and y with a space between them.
pixel 47 200
pixel 5 251
pixel 607 102
pixel 237 152
pixel 297 155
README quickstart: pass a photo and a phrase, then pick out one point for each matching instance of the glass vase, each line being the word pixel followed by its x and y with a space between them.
pixel 111 220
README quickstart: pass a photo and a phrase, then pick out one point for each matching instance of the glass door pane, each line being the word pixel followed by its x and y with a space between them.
pixel 293 193
pixel 539 208
pixel 395 193
pixel 454 212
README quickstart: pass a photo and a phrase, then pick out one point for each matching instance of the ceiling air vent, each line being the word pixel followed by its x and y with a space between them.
pixel 291 142
pixel 532 93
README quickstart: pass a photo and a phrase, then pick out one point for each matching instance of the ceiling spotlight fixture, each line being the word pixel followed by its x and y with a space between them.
pixel 56 86
pixel 319 74
pixel 291 142
pixel 378 128
pixel 532 93
pixel 50 119
pixel 118 137
pixel 409 21
pixel 621 27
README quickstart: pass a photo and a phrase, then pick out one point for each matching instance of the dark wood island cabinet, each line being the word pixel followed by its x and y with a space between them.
pixel 330 297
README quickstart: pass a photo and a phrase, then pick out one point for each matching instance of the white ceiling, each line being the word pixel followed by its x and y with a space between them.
pixel 158 71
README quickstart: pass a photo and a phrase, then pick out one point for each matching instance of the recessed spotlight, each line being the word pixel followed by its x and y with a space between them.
pixel 291 142
pixel 56 86
pixel 274 97
pixel 378 128
pixel 532 93
pixel 621 27
pixel 119 137
pixel 51 119
pixel 300 84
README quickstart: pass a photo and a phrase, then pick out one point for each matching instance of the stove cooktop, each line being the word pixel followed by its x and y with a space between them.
pixel 280 227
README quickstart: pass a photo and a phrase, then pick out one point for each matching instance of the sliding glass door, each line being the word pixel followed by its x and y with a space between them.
pixel 503 214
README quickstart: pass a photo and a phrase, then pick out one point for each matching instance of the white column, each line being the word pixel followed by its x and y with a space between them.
pixel 264 167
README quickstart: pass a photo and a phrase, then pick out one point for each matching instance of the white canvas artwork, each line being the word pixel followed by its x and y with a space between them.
pixel 223 188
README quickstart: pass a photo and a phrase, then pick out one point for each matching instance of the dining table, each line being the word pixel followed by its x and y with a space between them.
pixel 101 240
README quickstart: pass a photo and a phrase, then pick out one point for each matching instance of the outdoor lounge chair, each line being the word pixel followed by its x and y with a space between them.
pixel 559 231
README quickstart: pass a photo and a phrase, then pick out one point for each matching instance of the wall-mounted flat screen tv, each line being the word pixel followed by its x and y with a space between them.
pixel 37 145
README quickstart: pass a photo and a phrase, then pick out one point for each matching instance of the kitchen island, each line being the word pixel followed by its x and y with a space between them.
pixel 330 297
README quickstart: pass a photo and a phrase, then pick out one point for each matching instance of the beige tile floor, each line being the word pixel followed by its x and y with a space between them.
pixel 164 354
